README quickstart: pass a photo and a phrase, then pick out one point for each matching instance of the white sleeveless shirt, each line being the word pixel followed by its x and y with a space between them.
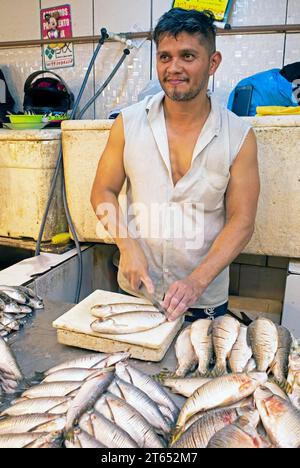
pixel 177 225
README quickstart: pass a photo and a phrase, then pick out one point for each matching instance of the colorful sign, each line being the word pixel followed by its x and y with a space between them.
pixel 220 8
pixel 56 24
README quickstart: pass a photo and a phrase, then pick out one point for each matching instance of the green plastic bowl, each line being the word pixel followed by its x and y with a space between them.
pixel 24 118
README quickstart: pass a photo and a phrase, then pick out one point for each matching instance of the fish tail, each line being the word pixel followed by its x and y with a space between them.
pixel 176 434
pixel 219 370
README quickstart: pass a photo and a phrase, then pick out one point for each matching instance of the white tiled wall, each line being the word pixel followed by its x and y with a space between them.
pixel 121 16
pixel 257 12
pixel 293 12
pixel 19 20
pixel 243 56
pixel 292 51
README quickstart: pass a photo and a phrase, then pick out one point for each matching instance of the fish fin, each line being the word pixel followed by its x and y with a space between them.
pixel 245 386
pixel 175 436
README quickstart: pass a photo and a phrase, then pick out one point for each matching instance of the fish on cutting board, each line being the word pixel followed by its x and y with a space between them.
pixel 102 310
pixel 129 322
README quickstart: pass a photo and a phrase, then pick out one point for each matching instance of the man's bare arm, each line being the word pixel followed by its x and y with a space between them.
pixel 109 180
pixel 241 206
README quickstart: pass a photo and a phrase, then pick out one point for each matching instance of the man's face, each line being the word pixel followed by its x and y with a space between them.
pixel 183 66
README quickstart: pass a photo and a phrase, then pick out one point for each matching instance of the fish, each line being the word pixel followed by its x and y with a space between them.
pixel 293 379
pixel 221 391
pixel 131 421
pixel 85 362
pixel 17 295
pixel 200 432
pixel 142 403
pixel 19 440
pixel 53 389
pixel 145 383
pixel 46 441
pixel 38 406
pixel 280 418
pixel 75 375
pixel 8 363
pixel 251 365
pixel 129 322
pixel 225 331
pixel 185 386
pixel 25 423
pixel 185 354
pixel 241 352
pixel 9 305
pixel 106 432
pixel 34 300
pixel 104 311
pixel 87 397
pixel 202 342
pixel 263 337
pixel 240 434
pixel 275 389
pixel 281 361
pixel 81 439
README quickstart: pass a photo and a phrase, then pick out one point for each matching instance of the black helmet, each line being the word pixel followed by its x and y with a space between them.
pixel 47 94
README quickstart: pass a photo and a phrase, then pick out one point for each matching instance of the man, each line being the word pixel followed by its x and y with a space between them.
pixel 269 88
pixel 192 164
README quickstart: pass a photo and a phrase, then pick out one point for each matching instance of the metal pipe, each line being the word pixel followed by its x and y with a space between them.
pixel 268 29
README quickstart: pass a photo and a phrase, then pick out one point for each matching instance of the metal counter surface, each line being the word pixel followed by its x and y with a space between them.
pixel 36 348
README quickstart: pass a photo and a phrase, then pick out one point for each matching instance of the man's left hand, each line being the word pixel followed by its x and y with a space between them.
pixel 180 296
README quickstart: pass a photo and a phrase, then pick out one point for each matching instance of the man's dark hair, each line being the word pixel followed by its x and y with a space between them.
pixel 178 20
pixel 291 72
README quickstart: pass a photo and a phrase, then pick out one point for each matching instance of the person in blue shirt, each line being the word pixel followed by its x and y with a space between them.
pixel 270 88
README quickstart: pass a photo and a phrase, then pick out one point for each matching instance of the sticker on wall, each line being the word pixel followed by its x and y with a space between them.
pixel 220 8
pixel 56 24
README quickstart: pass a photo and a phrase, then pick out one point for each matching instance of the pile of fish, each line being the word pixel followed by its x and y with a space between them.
pixel 92 402
pixel 16 302
pixel 246 390
pixel 126 318
pixel 10 374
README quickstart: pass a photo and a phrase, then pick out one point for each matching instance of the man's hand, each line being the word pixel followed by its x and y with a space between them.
pixel 134 267
pixel 180 296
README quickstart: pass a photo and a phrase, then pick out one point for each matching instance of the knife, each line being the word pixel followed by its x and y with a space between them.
pixel 153 301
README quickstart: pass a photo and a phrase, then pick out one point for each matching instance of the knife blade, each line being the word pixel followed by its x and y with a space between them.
pixel 153 301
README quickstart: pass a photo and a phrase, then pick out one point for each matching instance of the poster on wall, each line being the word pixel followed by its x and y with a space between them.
pixel 56 24
pixel 220 8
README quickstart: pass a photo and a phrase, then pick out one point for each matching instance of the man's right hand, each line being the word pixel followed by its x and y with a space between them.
pixel 134 267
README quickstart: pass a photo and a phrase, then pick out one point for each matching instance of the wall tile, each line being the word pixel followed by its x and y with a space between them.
pixel 81 13
pixel 262 282
pixel 19 20
pixel 131 78
pixel 243 56
pixel 293 12
pixel 257 12
pixel 17 65
pixel 120 16
pixel 292 50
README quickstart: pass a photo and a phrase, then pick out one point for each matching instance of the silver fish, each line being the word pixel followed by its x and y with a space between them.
pixel 263 337
pixel 8 305
pixel 185 386
pixel 202 342
pixel 46 441
pixel 103 311
pixel 19 440
pixel 280 419
pixel 199 434
pixel 37 406
pixel 54 389
pixel 24 423
pixel 281 361
pixel 87 397
pixel 241 352
pixel 185 353
pixel 225 332
pixel 16 295
pixel 129 322
pixel 131 421
pixel 66 375
pixel 108 433
pixel 293 380
pixel 85 362
pixel 8 363
pixel 219 392
pixel 240 434
pixel 145 383
pixel 81 439
pixel 141 402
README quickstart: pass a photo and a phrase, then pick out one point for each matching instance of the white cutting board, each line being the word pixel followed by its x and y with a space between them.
pixel 73 329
